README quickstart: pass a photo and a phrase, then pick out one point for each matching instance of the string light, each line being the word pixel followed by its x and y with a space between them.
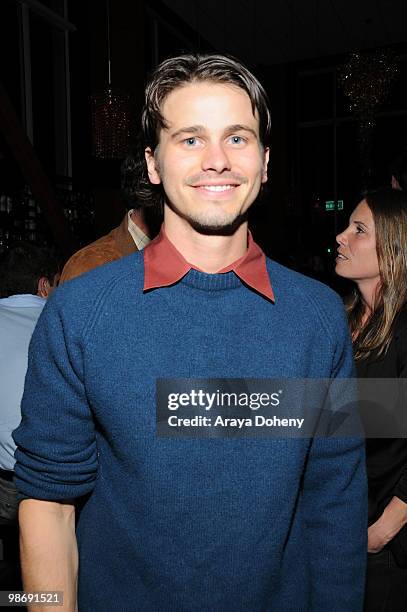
pixel 366 81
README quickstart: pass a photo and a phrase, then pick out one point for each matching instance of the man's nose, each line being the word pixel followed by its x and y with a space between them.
pixel 215 158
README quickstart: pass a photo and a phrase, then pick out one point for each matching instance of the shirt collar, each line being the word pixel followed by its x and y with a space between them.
pixel 164 265
pixel 23 300
pixel 140 238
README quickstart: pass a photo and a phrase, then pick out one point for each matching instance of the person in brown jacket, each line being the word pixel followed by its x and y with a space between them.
pixel 128 237
pixel 133 234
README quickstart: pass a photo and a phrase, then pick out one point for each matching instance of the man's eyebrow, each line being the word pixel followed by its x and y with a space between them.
pixel 238 127
pixel 230 129
pixel 192 129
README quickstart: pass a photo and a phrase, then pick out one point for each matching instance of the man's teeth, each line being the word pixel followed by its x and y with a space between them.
pixel 218 187
pixel 340 256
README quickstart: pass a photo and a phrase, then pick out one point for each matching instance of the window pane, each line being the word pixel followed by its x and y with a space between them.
pixel 10 52
pixel 49 95
pixel 315 163
pixel 315 97
pixel 42 72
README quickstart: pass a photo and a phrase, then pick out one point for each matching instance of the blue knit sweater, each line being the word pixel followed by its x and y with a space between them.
pixel 213 525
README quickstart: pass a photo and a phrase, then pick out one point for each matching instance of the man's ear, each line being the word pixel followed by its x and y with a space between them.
pixel 152 167
pixel 266 155
pixel 43 287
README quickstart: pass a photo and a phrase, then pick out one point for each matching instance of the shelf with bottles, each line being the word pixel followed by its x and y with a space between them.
pixel 21 218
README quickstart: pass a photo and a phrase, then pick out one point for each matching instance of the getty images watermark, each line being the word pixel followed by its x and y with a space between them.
pixel 220 400
pixel 281 408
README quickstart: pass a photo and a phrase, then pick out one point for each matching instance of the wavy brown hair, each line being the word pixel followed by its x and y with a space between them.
pixel 389 210
pixel 176 72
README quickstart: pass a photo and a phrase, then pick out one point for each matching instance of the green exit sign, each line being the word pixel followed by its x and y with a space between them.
pixel 330 205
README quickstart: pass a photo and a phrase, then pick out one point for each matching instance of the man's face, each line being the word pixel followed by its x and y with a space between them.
pixel 209 159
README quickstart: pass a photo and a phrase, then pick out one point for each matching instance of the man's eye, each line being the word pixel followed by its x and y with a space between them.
pixel 191 142
pixel 237 139
pixel 359 230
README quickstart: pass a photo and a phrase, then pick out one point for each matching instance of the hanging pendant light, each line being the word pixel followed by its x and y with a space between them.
pixel 366 80
pixel 111 115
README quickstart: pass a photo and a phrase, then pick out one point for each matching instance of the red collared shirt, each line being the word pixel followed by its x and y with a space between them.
pixel 164 265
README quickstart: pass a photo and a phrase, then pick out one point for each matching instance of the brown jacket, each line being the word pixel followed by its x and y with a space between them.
pixel 118 243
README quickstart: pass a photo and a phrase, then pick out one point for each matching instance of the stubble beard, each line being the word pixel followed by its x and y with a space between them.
pixel 217 222
pixel 212 223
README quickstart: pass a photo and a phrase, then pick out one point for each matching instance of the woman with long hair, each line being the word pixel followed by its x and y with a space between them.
pixel 372 252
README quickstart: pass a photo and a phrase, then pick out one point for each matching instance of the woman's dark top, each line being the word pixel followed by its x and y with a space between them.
pixel 386 458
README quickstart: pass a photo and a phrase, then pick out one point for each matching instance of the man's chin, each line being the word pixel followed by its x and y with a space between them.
pixel 217 226
pixel 215 222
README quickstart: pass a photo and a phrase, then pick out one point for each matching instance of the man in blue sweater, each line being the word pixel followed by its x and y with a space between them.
pixel 184 524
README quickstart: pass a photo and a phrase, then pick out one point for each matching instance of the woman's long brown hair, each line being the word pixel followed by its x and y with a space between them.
pixel 389 210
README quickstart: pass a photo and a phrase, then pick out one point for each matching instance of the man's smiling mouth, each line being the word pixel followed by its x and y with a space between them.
pixel 216 188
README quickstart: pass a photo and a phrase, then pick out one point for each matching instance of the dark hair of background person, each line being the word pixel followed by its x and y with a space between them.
pixel 23 265
pixel 128 181
pixel 389 210
pixel 129 170
pixel 398 169
pixel 168 76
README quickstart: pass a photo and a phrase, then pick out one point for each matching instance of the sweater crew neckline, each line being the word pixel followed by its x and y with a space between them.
pixel 211 282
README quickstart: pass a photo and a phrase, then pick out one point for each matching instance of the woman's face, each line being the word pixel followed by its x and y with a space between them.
pixel 357 256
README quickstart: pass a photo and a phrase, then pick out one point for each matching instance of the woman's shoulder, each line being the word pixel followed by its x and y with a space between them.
pixel 400 342
pixel 400 324
pixel 383 365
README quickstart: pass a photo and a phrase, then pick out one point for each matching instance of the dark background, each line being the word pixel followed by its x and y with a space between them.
pixel 295 47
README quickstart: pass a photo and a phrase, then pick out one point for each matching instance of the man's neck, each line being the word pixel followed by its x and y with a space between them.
pixel 209 253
